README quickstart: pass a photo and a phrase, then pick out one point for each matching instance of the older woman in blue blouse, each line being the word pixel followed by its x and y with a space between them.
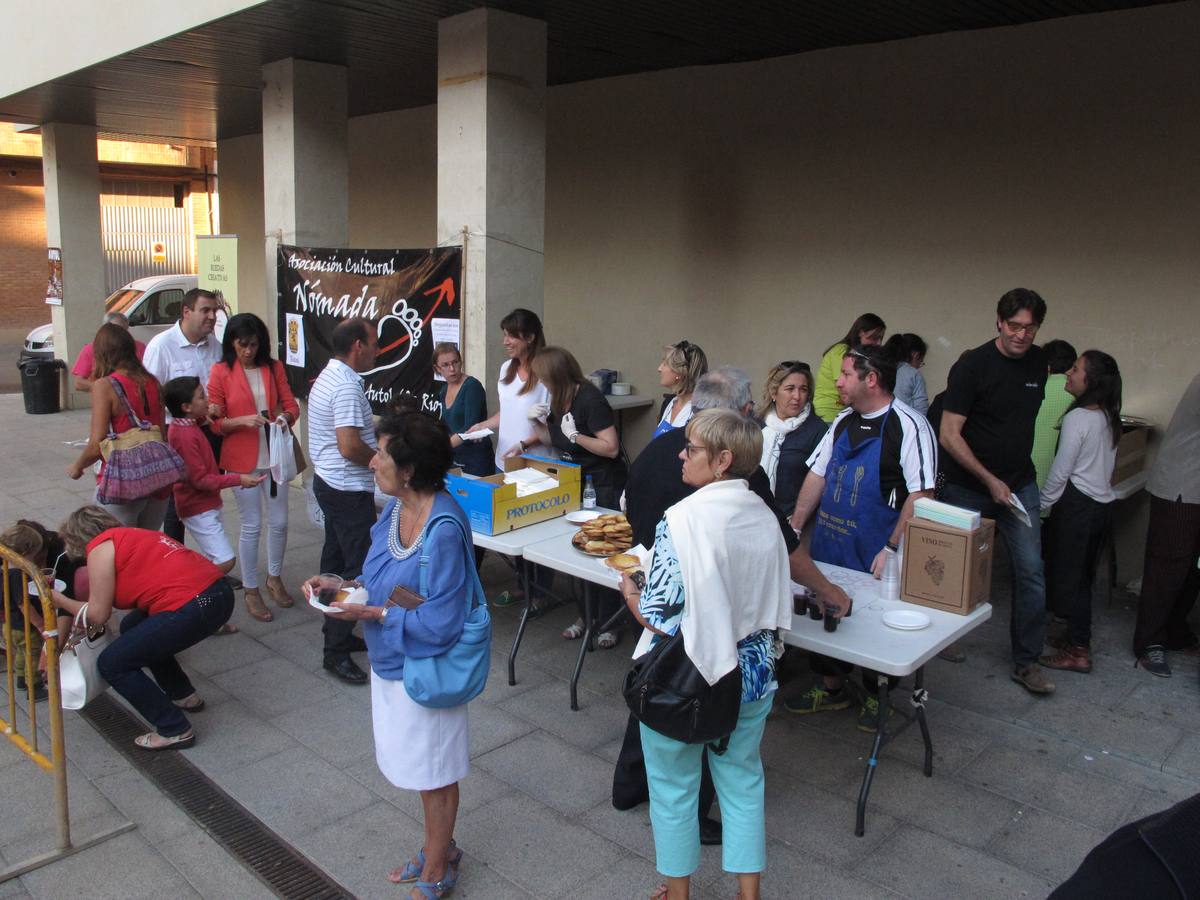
pixel 719 574
pixel 417 748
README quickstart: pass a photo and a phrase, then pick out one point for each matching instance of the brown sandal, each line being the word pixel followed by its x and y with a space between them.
pixel 256 607
pixel 279 592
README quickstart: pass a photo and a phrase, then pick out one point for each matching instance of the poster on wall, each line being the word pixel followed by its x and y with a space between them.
pixel 54 285
pixel 413 298
pixel 217 266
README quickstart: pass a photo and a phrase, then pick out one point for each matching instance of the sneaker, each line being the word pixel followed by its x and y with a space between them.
pixel 39 689
pixel 868 715
pixel 1154 661
pixel 819 699
pixel 1069 658
pixel 1033 679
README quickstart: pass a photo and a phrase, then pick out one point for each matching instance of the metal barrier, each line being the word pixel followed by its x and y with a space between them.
pixel 56 762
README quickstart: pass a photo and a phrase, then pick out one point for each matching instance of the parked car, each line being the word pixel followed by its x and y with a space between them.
pixel 152 304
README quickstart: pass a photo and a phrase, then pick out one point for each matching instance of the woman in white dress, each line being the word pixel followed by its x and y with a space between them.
pixel 417 748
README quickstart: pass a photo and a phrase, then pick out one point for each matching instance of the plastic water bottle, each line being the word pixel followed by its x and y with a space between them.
pixel 889 587
pixel 589 494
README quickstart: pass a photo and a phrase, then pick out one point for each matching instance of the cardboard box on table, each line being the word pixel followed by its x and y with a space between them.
pixel 493 507
pixel 947 568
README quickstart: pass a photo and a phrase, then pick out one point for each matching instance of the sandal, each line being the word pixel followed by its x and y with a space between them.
pixel 279 592
pixel 412 869
pixel 152 740
pixel 193 702
pixel 573 632
pixel 227 628
pixel 608 640
pixel 432 890
pixel 659 893
pixel 256 607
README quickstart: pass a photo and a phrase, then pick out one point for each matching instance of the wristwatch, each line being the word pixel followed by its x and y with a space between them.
pixel 574 438
pixel 383 614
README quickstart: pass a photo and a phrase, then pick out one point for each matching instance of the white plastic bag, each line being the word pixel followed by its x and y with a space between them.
pixel 283 454
pixel 78 671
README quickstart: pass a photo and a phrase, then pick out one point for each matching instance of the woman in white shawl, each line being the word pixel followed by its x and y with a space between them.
pixel 790 432
pixel 720 575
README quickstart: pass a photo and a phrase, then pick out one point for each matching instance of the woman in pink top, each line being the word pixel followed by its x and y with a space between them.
pixel 116 362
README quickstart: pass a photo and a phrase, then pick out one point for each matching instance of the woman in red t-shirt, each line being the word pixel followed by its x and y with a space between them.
pixel 175 598
pixel 116 361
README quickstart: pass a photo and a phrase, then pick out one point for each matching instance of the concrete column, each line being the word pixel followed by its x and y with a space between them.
pixel 71 175
pixel 492 169
pixel 305 165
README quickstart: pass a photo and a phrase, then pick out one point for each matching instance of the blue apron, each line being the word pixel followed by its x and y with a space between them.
pixel 853 521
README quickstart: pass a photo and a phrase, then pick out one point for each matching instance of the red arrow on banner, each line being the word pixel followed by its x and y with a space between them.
pixel 445 291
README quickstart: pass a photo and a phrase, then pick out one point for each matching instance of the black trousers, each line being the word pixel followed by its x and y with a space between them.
pixel 349 516
pixel 1078 526
pixel 1170 579
pixel 629 778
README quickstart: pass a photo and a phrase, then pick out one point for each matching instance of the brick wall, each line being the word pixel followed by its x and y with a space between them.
pixel 22 248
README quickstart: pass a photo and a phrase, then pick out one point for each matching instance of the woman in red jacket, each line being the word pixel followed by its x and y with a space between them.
pixel 251 391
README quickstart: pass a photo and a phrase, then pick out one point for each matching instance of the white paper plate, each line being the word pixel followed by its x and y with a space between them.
pixel 358 595
pixel 906 619
pixel 581 515
pixel 59 585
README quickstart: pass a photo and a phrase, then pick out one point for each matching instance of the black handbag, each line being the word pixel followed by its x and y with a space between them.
pixel 666 692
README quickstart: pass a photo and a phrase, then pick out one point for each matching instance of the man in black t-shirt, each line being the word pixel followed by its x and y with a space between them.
pixel 991 404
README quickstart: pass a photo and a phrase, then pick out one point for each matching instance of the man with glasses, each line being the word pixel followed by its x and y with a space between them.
pixel 991 405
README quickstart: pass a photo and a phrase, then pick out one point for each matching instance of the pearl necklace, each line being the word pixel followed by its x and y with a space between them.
pixel 398 550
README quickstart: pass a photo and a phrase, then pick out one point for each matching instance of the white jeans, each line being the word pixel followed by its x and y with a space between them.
pixel 250 506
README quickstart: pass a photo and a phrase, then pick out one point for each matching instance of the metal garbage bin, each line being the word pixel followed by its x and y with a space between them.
pixel 40 381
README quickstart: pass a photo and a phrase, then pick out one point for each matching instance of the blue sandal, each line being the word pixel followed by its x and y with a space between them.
pixel 433 890
pixel 412 871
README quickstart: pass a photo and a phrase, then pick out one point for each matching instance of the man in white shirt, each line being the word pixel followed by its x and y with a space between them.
pixel 341 442
pixel 186 348
pixel 878 457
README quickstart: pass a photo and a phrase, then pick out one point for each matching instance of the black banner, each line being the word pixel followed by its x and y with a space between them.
pixel 412 296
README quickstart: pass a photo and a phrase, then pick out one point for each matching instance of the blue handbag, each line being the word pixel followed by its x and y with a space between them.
pixel 460 674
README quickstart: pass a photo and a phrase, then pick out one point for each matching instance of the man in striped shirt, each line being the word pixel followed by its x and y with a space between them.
pixel 341 442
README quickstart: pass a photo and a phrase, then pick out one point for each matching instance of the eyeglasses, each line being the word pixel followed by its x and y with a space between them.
pixel 686 349
pixel 794 364
pixel 689 449
pixel 1018 328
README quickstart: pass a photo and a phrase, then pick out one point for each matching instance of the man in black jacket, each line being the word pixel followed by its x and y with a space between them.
pixel 655 483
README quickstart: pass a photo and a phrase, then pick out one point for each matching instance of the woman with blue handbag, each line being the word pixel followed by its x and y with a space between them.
pixel 428 636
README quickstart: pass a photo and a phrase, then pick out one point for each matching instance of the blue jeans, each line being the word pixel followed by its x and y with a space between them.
pixel 1027 626
pixel 673 775
pixel 151 642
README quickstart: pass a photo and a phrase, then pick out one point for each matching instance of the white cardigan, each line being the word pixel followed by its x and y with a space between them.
pixel 734 566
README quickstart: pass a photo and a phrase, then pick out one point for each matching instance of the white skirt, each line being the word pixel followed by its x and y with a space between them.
pixel 417 748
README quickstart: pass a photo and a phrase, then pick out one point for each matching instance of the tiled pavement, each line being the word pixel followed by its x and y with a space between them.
pixel 1023 786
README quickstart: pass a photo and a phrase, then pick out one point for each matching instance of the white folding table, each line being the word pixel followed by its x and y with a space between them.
pixel 863 639
pixel 512 544
pixel 559 554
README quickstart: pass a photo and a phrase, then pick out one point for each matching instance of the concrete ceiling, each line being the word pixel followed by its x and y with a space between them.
pixel 205 84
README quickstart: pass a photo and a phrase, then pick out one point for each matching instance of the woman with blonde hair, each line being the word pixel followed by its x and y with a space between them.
pixel 790 430
pixel 720 576
pixel 681 367
pixel 175 598
pixel 119 383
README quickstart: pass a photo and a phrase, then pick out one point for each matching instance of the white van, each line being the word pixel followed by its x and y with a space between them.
pixel 152 305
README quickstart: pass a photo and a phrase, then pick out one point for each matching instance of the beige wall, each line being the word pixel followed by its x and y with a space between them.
pixel 756 209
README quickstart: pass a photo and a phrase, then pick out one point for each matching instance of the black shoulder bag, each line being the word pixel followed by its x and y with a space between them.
pixel 666 692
